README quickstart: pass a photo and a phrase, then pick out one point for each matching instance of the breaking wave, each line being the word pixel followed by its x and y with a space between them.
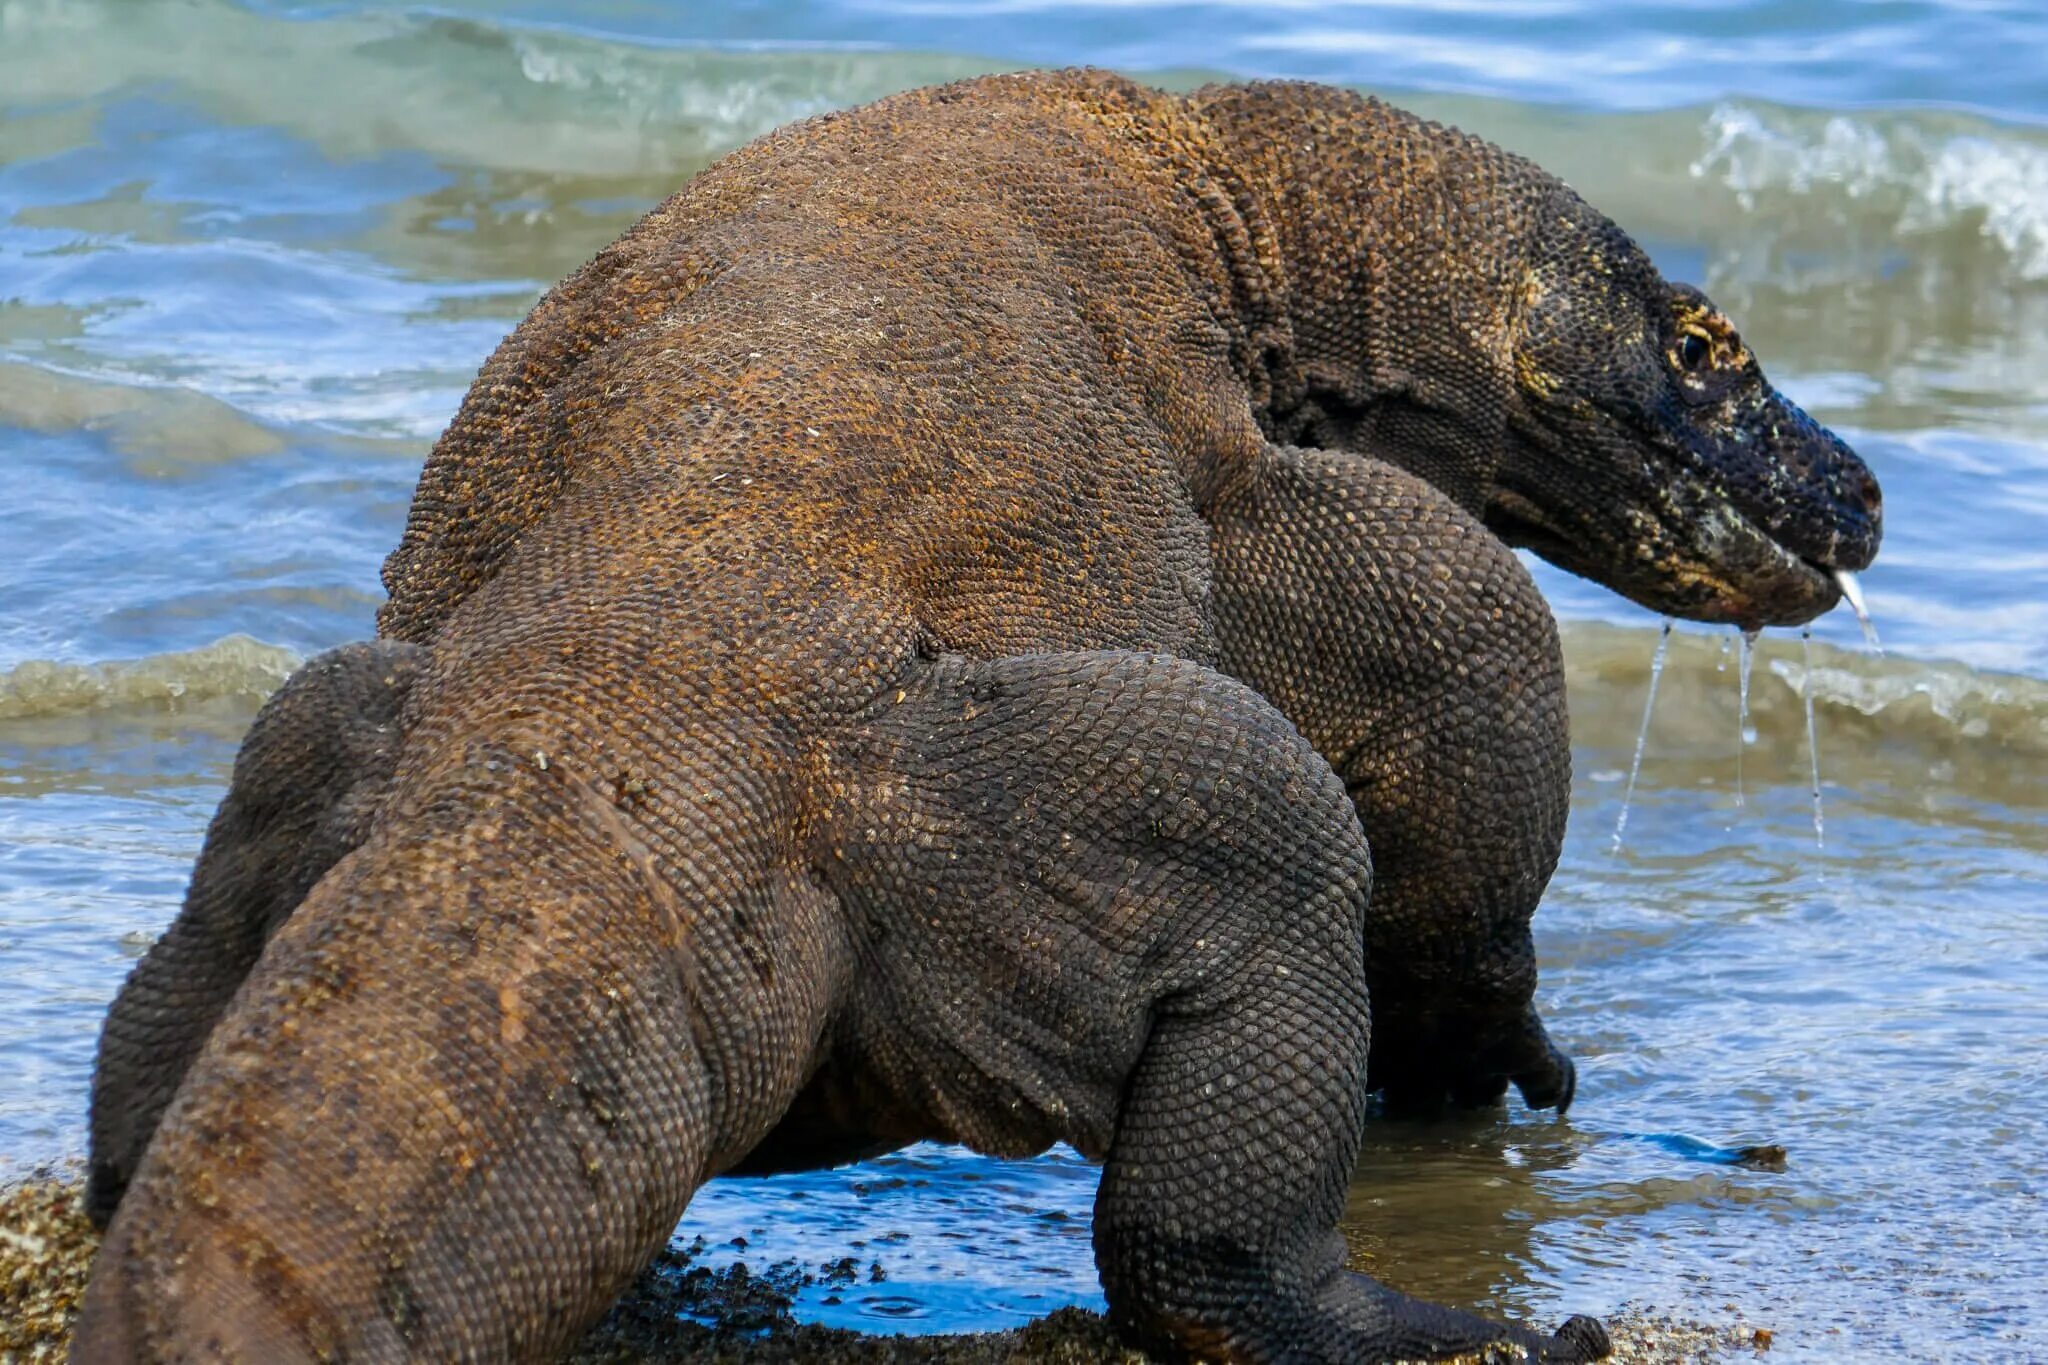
pixel 236 667
pixel 517 99
pixel 473 92
pixel 1943 718
pixel 1881 718
pixel 1904 177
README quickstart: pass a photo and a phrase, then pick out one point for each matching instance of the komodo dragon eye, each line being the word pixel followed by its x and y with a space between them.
pixel 1693 352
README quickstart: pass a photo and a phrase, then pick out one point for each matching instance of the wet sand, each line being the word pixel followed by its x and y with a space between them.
pixel 681 1312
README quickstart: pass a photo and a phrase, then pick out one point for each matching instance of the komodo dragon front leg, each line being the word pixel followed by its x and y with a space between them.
pixel 1115 898
pixel 306 784
pixel 1414 651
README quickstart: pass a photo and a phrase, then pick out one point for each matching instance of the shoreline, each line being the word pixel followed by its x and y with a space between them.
pixel 47 1247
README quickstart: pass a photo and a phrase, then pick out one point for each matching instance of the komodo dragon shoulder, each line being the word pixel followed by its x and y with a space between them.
pixel 913 641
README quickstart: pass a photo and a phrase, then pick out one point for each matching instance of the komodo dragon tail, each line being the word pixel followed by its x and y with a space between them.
pixel 468 1089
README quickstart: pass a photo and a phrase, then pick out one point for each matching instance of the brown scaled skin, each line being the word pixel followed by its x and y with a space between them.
pixel 811 717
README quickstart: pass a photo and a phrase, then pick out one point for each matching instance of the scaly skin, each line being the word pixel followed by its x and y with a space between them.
pixel 802 727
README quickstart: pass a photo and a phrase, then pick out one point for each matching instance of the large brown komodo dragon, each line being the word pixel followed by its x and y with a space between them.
pixel 902 646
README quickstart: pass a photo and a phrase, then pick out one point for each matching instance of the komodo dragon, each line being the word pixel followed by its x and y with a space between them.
pixel 901 646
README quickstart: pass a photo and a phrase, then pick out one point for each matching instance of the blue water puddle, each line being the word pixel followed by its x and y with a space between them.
pixel 941 1239
pixel 937 1238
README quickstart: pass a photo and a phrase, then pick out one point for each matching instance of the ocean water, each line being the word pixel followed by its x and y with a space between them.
pixel 251 254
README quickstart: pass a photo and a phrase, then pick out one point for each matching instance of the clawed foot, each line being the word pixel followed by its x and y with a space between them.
pixel 1437 1073
pixel 1578 1339
pixel 1356 1318
pixel 1550 1086
pixel 1412 1329
pixel 1537 1066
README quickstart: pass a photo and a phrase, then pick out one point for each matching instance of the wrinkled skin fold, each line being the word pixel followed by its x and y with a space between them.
pixel 988 617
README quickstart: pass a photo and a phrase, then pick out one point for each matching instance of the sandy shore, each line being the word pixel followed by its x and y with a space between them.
pixel 47 1246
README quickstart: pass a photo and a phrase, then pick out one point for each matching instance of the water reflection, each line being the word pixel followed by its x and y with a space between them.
pixel 1450 1210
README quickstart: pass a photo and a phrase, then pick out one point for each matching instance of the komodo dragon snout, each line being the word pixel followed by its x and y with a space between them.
pixel 1649 452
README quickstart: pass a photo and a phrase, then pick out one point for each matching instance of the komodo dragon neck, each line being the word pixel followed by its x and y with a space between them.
pixel 1398 249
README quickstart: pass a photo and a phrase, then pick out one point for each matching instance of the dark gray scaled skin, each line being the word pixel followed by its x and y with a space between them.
pixel 808 753
pixel 310 774
pixel 1185 1000
pixel 1413 650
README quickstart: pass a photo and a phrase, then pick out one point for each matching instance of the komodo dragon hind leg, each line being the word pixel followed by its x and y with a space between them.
pixel 305 786
pixel 1116 898
pixel 1416 654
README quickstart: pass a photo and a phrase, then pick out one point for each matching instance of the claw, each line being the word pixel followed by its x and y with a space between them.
pixel 1552 1088
pixel 1564 1102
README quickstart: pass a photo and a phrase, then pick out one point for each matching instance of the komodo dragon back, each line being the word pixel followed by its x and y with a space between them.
pixel 912 642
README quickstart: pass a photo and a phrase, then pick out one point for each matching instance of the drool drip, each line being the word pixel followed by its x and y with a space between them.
pixel 1812 739
pixel 1747 730
pixel 1635 767
pixel 1853 591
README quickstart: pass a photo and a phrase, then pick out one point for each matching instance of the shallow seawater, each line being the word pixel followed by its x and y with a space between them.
pixel 250 256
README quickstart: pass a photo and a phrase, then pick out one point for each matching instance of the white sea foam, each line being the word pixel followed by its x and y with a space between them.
pixel 1919 175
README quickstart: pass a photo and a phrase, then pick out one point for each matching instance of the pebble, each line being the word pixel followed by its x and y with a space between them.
pixel 46 1250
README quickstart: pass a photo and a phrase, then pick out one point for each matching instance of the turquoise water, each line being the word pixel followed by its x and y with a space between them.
pixel 250 256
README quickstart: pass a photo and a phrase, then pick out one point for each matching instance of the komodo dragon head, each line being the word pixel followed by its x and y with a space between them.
pixel 1460 312
pixel 1647 451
